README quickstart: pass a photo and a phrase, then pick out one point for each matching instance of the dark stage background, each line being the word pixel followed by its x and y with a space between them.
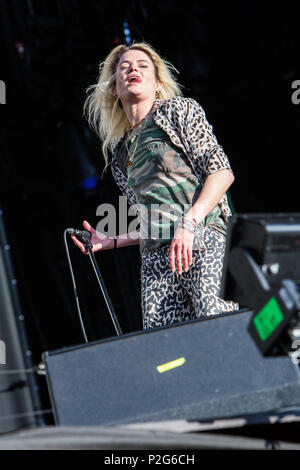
pixel 238 61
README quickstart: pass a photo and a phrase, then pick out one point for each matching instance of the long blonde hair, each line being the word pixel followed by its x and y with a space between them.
pixel 104 110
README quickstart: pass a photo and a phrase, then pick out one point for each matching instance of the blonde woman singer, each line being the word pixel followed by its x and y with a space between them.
pixel 165 158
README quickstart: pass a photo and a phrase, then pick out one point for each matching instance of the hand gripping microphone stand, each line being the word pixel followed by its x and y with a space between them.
pixel 85 237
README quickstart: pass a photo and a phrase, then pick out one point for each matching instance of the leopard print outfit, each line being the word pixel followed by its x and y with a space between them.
pixel 169 297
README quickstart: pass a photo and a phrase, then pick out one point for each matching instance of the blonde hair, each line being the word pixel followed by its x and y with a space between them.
pixel 104 110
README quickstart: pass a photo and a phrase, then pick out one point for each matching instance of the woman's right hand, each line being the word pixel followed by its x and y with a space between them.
pixel 97 242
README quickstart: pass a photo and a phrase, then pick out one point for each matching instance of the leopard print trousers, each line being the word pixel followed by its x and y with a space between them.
pixel 169 297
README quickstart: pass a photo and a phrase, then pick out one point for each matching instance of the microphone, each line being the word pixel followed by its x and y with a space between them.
pixel 82 235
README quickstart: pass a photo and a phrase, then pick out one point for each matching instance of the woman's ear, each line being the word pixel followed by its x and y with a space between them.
pixel 158 88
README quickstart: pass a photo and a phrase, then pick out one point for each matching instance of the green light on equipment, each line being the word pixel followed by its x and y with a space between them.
pixel 268 318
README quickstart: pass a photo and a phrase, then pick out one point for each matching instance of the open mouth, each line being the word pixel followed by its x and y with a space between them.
pixel 135 79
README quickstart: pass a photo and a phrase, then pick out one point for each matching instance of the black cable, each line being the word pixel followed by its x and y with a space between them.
pixel 74 286
pixel 104 291
pixel 15 386
pixel 85 237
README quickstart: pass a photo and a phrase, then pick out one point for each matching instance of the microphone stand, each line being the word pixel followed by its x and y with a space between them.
pixel 89 248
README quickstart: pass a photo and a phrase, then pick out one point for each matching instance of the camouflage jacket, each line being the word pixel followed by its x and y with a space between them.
pixel 184 120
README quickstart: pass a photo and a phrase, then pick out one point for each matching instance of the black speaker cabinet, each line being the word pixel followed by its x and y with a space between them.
pixel 196 370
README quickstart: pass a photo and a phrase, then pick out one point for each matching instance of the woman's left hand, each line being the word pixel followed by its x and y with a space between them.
pixel 181 251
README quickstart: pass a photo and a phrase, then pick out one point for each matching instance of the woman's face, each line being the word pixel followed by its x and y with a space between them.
pixel 135 77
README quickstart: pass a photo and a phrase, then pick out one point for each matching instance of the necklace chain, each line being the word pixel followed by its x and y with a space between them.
pixel 136 136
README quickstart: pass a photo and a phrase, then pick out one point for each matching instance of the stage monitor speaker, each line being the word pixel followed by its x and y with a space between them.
pixel 195 370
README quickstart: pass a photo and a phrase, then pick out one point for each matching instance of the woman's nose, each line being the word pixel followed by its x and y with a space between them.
pixel 134 66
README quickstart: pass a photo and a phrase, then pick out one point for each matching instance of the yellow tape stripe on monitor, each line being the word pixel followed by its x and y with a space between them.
pixel 170 365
